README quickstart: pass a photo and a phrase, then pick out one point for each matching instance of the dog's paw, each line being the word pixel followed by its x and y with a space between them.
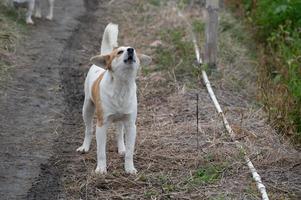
pixel 101 170
pixel 49 17
pixel 38 15
pixel 82 149
pixel 121 152
pixel 29 21
pixel 131 170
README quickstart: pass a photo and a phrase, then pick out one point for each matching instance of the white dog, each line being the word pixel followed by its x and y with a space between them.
pixel 32 5
pixel 112 93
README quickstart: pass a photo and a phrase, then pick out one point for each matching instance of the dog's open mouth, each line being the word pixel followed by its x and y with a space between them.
pixel 129 60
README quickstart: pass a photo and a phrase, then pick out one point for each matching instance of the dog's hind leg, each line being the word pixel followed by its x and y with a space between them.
pixel 120 138
pixel 51 5
pixel 38 13
pixel 88 113
pixel 30 11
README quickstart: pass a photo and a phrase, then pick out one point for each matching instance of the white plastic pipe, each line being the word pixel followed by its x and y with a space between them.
pixel 255 175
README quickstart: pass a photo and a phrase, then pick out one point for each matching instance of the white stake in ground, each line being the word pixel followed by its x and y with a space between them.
pixel 253 170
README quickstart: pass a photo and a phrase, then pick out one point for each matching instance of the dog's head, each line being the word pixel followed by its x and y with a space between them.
pixel 122 61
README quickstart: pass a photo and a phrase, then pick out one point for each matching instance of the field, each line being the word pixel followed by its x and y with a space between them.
pixel 41 102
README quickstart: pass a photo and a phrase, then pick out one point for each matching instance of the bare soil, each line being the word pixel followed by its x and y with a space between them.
pixel 33 104
pixel 41 124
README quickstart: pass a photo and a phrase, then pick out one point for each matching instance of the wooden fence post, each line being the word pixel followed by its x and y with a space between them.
pixel 211 30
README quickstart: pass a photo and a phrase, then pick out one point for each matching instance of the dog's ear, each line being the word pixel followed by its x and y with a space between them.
pixel 101 61
pixel 144 59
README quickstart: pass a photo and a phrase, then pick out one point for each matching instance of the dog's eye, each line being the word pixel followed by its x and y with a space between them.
pixel 120 52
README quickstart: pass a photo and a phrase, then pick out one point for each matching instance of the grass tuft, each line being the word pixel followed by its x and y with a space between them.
pixel 276 25
pixel 209 173
pixel 155 2
pixel 11 29
pixel 176 56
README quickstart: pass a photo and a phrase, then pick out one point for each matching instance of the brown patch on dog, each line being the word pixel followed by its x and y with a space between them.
pixel 110 58
pixel 96 99
pixel 106 60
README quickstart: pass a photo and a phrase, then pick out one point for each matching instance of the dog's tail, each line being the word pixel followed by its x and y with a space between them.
pixel 109 39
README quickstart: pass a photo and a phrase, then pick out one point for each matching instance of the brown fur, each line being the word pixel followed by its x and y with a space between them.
pixel 110 58
pixel 96 99
pixel 96 85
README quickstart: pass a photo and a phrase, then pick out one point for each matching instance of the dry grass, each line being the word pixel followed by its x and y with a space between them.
pixel 170 164
pixel 11 32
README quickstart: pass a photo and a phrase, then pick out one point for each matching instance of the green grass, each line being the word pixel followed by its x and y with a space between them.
pixel 279 25
pixel 208 174
pixel 276 24
pixel 176 56
pixel 183 3
pixel 155 2
pixel 4 69
pixel 149 194
pixel 198 26
pixel 11 30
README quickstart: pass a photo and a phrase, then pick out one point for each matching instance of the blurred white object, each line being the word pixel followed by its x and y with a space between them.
pixel 32 5
pixel 156 43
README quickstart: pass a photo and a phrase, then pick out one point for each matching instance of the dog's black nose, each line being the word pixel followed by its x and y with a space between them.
pixel 130 50
pixel 130 57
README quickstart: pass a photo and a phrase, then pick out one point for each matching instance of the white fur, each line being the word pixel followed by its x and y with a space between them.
pixel 118 101
pixel 35 5
pixel 109 39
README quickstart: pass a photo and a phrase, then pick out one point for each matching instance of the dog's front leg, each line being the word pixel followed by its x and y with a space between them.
pixel 130 131
pixel 30 11
pixel 51 5
pixel 101 139
pixel 38 13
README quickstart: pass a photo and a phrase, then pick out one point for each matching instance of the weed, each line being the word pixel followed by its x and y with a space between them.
pixel 209 173
pixel 155 2
pixel 277 29
pixel 219 197
pixel 10 14
pixel 8 30
pixel 4 68
pixel 269 14
pixel 10 33
pixel 168 187
pixel 151 193
pixel 183 3
pixel 177 58
pixel 198 26
pixel 283 62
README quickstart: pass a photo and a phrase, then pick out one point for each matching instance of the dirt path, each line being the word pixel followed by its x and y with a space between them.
pixel 41 124
pixel 32 104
